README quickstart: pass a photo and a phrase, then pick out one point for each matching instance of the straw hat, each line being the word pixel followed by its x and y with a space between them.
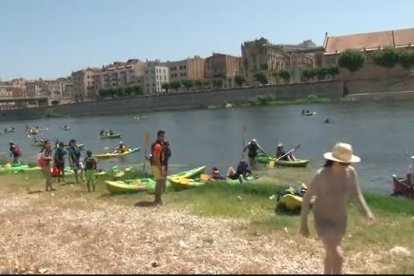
pixel 342 152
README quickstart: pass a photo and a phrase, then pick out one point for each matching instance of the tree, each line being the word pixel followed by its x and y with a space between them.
pixel 309 74
pixel 111 91
pixel 128 91
pixel 406 58
pixel 387 57
pixel 217 83
pixel 137 89
pixel 103 92
pixel 198 84
pixel 261 77
pixel 239 79
pixel 352 60
pixel 321 72
pixel 333 71
pixel 165 86
pixel 175 85
pixel 119 91
pixel 187 84
pixel 285 75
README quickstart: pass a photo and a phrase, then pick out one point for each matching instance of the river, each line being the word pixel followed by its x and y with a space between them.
pixel 380 132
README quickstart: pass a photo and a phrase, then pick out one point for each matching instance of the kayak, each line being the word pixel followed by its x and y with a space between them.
pixel 110 136
pixel 112 154
pixel 309 114
pixel 186 183
pixel 402 188
pixel 291 202
pixel 137 185
pixel 297 163
pixel 17 168
pixel 66 128
pixel 129 186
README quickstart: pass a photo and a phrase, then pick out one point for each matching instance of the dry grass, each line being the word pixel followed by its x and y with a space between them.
pixel 72 231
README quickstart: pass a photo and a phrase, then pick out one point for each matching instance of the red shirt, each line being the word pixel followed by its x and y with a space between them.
pixel 156 152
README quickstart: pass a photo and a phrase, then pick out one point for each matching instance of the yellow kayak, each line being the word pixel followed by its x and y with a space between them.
pixel 114 154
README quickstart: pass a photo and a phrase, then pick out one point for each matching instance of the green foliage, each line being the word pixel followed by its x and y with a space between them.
pixel 309 74
pixel 284 75
pixel 239 79
pixel 128 91
pixel 333 71
pixel 187 83
pixel 198 83
pixel 175 85
pixel 261 77
pixel 406 58
pixel 352 60
pixel 165 86
pixel 387 57
pixel 137 89
pixel 218 83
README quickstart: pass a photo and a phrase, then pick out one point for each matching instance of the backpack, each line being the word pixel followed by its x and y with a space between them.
pixel 165 153
pixel 40 161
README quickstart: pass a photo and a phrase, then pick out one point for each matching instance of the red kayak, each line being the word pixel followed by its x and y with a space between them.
pixel 402 188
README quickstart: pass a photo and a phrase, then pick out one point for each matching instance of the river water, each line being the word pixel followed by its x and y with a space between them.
pixel 380 132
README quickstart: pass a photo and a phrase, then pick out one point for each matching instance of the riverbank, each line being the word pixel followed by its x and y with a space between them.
pixel 210 229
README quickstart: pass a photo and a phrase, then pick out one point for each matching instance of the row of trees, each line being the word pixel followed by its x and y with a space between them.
pixel 320 73
pixel 353 60
pixel 188 84
pixel 121 92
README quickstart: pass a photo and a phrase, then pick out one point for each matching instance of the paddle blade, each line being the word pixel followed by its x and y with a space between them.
pixel 244 130
pixel 147 138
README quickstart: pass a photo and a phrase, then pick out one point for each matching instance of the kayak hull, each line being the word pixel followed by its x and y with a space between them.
pixel 265 159
pixel 112 155
pixel 19 168
pixel 116 135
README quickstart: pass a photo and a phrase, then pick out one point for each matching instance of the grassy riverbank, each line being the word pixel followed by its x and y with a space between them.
pixel 215 228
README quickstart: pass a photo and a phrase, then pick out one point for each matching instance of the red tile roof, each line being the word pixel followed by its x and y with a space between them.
pixel 369 41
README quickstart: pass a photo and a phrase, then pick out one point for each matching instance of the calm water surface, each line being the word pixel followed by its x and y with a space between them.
pixel 380 132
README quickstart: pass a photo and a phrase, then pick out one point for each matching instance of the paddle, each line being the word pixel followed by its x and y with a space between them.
pixel 244 140
pixel 272 163
pixel 146 141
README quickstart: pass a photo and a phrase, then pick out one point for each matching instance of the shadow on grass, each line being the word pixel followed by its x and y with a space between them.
pixel 144 203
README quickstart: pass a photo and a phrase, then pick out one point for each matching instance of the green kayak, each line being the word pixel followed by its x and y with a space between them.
pixel 144 184
pixel 265 159
pixel 187 183
pixel 17 168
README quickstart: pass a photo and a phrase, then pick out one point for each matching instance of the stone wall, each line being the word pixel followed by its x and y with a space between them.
pixel 330 89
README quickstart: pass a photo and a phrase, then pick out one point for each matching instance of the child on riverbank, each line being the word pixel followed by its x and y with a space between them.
pixel 90 164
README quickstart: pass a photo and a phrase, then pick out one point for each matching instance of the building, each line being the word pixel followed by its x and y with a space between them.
pixel 262 56
pixel 155 75
pixel 54 89
pixel 84 84
pixel 119 74
pixel 187 69
pixel 222 66
pixel 367 43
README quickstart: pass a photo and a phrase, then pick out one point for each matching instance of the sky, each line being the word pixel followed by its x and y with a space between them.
pixel 51 38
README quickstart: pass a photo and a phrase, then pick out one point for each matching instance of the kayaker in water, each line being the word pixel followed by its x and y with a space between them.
pixel 280 151
pixel 332 186
pixel 410 173
pixel 327 121
pixel 122 148
pixel 253 147
pixel 240 173
pixel 90 164
pixel 158 165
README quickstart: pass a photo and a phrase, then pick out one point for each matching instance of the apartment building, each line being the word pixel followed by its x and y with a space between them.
pixel 119 74
pixel 46 88
pixel 222 66
pixel 187 69
pixel 262 56
pixel 155 75
pixel 84 84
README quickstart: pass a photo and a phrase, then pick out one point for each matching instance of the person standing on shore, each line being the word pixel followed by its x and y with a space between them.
pixel 59 160
pixel 332 186
pixel 15 152
pixel 252 148
pixel 90 164
pixel 75 159
pixel 410 173
pixel 158 165
pixel 44 160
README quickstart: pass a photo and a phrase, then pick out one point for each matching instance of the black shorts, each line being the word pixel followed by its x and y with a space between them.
pixel 60 165
pixel 234 176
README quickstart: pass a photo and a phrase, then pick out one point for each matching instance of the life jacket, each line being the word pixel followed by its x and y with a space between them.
pixel 90 163
pixel 164 155
pixel 16 150
pixel 253 147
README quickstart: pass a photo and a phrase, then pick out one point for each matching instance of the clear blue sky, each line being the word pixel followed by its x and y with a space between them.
pixel 52 38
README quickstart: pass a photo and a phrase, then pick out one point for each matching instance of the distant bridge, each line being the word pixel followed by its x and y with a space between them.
pixel 22 102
